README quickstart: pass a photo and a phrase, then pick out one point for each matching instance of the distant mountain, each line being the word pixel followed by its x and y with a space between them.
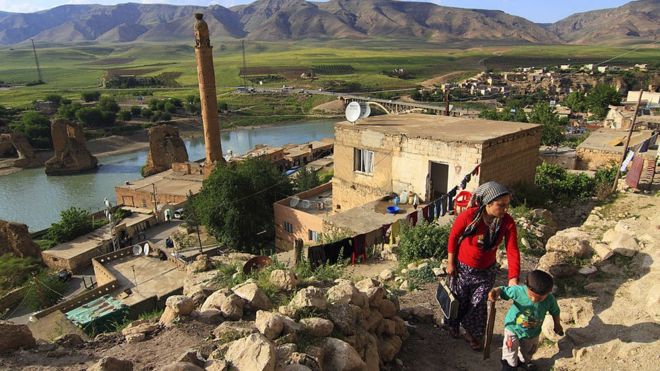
pixel 334 19
pixel 635 20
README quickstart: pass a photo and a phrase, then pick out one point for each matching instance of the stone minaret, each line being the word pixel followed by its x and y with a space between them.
pixel 207 95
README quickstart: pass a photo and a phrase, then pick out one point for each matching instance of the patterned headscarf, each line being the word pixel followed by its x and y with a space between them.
pixel 483 195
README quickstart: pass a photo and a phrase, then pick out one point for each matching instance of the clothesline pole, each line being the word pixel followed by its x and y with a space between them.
pixel 625 148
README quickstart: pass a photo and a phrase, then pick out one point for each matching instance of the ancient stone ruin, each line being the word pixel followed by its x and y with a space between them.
pixel 15 239
pixel 70 152
pixel 16 147
pixel 165 148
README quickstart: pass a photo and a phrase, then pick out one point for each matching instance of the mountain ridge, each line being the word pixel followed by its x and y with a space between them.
pixel 274 20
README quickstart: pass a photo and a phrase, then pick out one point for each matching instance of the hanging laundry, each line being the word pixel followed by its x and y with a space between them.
pixel 425 213
pixel 475 172
pixel 629 157
pixel 450 199
pixel 412 218
pixel 395 230
pixel 346 248
pixel 645 146
pixel 384 233
pixel 431 212
pixel 635 173
pixel 465 181
pixel 359 248
pixel 316 255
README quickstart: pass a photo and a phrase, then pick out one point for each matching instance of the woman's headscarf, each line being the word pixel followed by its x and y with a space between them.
pixel 482 196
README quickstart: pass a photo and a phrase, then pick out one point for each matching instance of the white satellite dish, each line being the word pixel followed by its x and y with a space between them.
pixel 146 248
pixel 305 204
pixel 366 110
pixel 353 111
pixel 294 201
pixel 137 250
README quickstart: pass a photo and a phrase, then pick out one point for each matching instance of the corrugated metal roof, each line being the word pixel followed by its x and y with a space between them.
pixel 95 309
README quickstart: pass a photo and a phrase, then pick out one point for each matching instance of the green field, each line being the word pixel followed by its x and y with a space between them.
pixel 70 69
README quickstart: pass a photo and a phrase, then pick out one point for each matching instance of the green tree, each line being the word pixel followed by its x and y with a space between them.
pixel 147 113
pixel 599 98
pixel 553 132
pixel 108 104
pixel 193 104
pixel 125 115
pixel 136 111
pixel 169 107
pixel 36 128
pixel 73 222
pixel 306 179
pixel 90 117
pixel 236 203
pixel 57 99
pixel 68 111
pixel 90 96
pixel 576 101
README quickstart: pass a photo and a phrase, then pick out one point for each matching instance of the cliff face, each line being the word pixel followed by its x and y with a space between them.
pixel 15 239
pixel 17 146
pixel 165 148
pixel 71 155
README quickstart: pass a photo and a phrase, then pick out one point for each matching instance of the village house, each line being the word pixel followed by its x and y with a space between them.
pixel 604 147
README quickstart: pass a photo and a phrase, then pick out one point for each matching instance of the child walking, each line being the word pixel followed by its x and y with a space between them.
pixel 522 324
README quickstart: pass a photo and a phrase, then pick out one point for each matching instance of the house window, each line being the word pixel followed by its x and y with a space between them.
pixel 313 235
pixel 288 227
pixel 364 161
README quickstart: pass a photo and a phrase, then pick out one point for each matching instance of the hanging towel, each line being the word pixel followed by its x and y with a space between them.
pixel 450 199
pixel 316 255
pixel 359 244
pixel 394 232
pixel 412 218
pixel 425 213
pixel 476 170
pixel 645 146
pixel 431 212
pixel 346 247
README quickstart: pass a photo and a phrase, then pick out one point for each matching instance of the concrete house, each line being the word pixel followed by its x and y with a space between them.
pixel 427 155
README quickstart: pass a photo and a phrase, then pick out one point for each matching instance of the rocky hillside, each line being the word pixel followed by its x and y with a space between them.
pixel 334 19
pixel 635 20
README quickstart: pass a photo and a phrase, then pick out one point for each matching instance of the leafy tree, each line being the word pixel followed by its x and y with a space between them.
pixel 74 222
pixel 36 128
pixel 169 107
pixel 136 111
pixel 236 203
pixel 125 115
pixel 599 98
pixel 57 99
pixel 147 113
pixel 576 101
pixel 553 132
pixel 306 179
pixel 193 104
pixel 90 117
pixel 108 104
pixel 90 96
pixel 68 111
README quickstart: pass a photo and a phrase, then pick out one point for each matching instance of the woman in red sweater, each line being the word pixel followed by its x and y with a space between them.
pixel 473 242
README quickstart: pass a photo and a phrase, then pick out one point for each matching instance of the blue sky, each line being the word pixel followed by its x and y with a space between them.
pixel 537 11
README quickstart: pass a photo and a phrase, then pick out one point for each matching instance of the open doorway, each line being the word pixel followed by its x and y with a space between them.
pixel 438 179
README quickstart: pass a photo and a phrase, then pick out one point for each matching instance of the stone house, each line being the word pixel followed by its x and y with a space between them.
pixel 604 147
pixel 301 216
pixel 428 155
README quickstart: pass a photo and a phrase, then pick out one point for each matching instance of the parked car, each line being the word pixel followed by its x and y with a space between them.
pixel 179 213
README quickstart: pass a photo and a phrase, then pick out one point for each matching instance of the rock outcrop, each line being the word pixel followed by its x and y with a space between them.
pixel 15 239
pixel 17 147
pixel 15 337
pixel 165 147
pixel 70 152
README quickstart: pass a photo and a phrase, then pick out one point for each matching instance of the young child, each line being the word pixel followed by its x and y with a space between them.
pixel 522 324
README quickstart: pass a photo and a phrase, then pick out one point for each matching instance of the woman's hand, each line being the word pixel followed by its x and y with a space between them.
pixel 513 281
pixel 494 294
pixel 451 268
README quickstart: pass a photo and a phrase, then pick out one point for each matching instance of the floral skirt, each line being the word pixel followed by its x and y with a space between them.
pixel 470 286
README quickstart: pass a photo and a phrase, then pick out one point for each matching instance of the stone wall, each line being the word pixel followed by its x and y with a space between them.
pixel 592 159
pixel 15 239
pixel 165 148
pixel 511 159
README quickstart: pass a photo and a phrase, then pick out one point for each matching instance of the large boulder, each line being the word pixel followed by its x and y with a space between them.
pixel 374 290
pixel 389 347
pixel 621 243
pixel 342 293
pixel 15 337
pixel 165 148
pixel 228 303
pixel 15 239
pixel 180 304
pixel 234 329
pixel 139 327
pixel 255 298
pixel 310 297
pixel 319 327
pixel 254 353
pixel 111 364
pixel 346 317
pixel 70 153
pixel 341 356
pixel 181 366
pixel 270 324
pixel 557 264
pixel 571 242
pixel 283 279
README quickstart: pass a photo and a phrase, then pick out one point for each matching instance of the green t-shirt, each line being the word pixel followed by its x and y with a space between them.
pixel 525 317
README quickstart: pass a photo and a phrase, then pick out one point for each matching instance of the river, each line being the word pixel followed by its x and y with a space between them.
pixel 32 198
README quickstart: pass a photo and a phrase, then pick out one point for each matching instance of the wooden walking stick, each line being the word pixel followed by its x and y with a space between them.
pixel 490 323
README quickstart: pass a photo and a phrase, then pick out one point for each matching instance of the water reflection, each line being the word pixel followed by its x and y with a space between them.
pixel 31 197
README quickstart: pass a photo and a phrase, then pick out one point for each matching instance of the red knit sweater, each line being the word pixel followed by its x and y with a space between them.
pixel 470 254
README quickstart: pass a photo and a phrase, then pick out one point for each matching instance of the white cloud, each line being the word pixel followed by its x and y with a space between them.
pixel 18 6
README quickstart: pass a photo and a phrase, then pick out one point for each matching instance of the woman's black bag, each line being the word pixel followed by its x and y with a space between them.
pixel 447 301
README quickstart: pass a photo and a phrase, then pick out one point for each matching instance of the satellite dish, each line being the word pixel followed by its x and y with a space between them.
pixel 146 248
pixel 294 201
pixel 137 250
pixel 353 111
pixel 305 204
pixel 366 110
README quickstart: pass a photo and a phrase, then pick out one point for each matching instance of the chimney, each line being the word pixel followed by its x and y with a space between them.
pixel 207 94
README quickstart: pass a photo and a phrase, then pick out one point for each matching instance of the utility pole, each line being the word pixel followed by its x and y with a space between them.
pixel 36 59
pixel 244 65
pixel 447 102
pixel 192 216
pixel 153 192
pixel 625 148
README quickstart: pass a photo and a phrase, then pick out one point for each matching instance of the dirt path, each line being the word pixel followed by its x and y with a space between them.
pixel 437 80
pixel 611 318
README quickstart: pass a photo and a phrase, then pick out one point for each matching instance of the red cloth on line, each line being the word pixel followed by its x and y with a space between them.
pixel 469 252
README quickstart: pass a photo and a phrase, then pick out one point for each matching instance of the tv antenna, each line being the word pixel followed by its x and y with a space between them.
pixel 36 59
pixel 244 64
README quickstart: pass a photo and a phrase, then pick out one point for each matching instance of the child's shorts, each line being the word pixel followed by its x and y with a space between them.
pixel 516 350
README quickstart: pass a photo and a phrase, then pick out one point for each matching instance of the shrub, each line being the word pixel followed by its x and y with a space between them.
pixel 560 186
pixel 90 96
pixel 74 222
pixel 136 111
pixel 125 115
pixel 14 271
pixel 36 128
pixel 425 240
pixel 44 290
